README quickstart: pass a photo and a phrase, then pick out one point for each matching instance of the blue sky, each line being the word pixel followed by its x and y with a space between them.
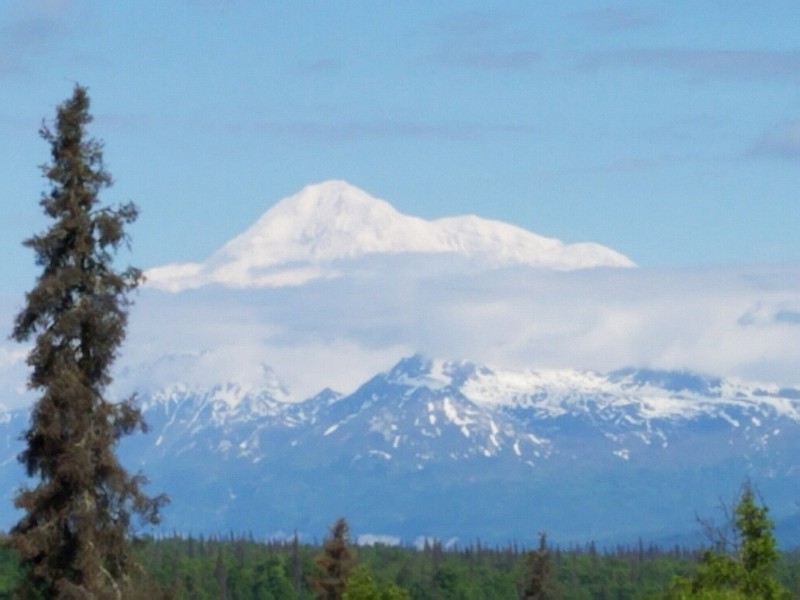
pixel 668 131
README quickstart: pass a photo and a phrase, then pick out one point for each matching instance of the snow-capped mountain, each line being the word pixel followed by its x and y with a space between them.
pixel 453 448
pixel 458 409
pixel 425 409
pixel 308 236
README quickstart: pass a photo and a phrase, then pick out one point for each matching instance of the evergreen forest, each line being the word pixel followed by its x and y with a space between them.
pixel 239 568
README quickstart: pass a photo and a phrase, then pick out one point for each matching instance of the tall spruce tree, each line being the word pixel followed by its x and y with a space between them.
pixel 539 584
pixel 336 562
pixel 73 537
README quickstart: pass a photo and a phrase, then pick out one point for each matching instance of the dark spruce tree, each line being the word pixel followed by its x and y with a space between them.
pixel 73 540
pixel 336 563
pixel 539 573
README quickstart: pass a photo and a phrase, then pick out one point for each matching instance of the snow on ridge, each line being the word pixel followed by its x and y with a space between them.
pixel 557 391
pixel 434 378
pixel 229 397
pixel 298 238
pixel 503 243
pixel 503 387
pixel 468 395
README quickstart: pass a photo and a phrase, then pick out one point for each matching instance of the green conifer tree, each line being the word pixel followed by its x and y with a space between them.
pixel 757 552
pixel 72 538
pixel 361 586
pixel 740 568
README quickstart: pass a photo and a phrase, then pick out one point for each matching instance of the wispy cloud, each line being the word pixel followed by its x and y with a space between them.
pixel 728 63
pixel 638 164
pixel 324 131
pixel 723 321
pixel 613 20
pixel 766 315
pixel 782 141
pixel 489 60
pixel 32 29
pixel 470 26
pixel 482 41
pixel 718 321
pixel 786 315
pixel 318 131
pixel 331 132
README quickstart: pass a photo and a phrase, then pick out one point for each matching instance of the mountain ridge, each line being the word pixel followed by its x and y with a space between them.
pixel 428 446
pixel 665 393
pixel 302 237
pixel 443 448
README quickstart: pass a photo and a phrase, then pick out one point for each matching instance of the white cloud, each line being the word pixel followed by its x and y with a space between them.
pixel 14 376
pixel 336 333
pixel 372 539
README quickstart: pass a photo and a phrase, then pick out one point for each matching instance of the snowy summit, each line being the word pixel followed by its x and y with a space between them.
pixel 300 237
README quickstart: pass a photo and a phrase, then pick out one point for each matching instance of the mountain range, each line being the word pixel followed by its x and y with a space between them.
pixel 454 449
pixel 331 286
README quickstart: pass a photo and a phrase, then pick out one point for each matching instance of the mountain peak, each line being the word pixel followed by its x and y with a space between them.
pixel 471 435
pixel 325 222
pixel 308 235
pixel 318 211
pixel 336 196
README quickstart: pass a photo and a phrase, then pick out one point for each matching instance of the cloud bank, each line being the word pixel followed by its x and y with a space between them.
pixel 739 322
pixel 735 322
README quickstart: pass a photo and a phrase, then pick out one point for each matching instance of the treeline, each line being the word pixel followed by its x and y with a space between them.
pixel 241 568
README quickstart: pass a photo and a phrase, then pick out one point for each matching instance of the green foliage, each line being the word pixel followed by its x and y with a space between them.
pixel 710 594
pixel 758 552
pixel 743 568
pixel 448 583
pixel 72 538
pixel 394 592
pixel 361 586
pixel 717 572
pixel 203 569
